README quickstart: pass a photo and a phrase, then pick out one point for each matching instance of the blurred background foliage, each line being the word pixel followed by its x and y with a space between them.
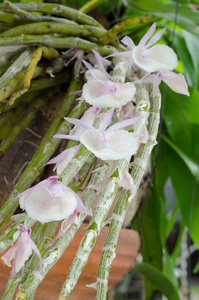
pixel 172 201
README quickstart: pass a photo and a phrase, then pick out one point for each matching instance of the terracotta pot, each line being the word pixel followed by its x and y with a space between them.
pixel 49 289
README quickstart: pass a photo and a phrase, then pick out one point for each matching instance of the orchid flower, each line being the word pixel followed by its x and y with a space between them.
pixel 108 144
pixel 50 200
pixel 65 156
pixel 176 82
pixel 127 181
pixel 21 252
pixel 101 91
pixel 62 160
pixel 151 59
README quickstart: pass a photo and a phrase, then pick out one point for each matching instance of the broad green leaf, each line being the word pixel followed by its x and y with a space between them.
pixel 152 246
pixel 192 43
pixel 188 17
pixel 192 165
pixel 181 116
pixel 168 269
pixel 184 56
pixel 183 183
pixel 163 283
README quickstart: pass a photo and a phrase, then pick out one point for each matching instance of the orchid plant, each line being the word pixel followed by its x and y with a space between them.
pixel 118 128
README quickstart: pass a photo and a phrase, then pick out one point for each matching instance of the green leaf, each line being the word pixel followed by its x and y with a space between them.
pixel 161 281
pixel 168 269
pixel 183 183
pixel 192 165
pixel 152 246
pixel 180 48
pixel 188 17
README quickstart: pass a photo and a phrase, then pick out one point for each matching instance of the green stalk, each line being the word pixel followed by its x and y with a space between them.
pixel 56 42
pixel 96 222
pixel 26 119
pixel 56 9
pixel 10 54
pixel 8 18
pixel 88 6
pixel 44 152
pixel 14 114
pixel 139 164
pixel 4 27
pixel 17 82
pixel 54 27
pixel 15 20
pixel 48 81
pixel 18 65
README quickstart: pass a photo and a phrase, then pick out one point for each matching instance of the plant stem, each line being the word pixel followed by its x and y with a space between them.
pixel 17 82
pixel 108 253
pixel 56 42
pixel 28 115
pixel 54 27
pixel 95 225
pixel 44 152
pixel 88 6
pixel 55 9
pixel 19 64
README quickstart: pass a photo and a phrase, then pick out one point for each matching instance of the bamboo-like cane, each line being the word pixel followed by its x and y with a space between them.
pixel 139 166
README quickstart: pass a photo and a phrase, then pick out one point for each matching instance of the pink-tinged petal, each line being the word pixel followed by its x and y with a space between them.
pixel 36 250
pixel 100 63
pixel 79 123
pixel 147 36
pixel 127 181
pixel 76 92
pixel 80 98
pixel 21 252
pixel 10 254
pixel 155 79
pixel 89 66
pixel 144 138
pixel 67 159
pixel 106 121
pixel 96 74
pixel 111 146
pixel 76 177
pixel 126 54
pixel 123 124
pixel 58 159
pixel 155 38
pixel 67 137
pixel 93 61
pixel 122 94
pixel 128 42
pixel 44 207
pixel 156 58
pixel 64 227
pixel 175 81
pixel 43 184
pixel 80 205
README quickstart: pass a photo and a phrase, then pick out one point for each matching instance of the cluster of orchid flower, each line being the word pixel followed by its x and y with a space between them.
pixel 51 200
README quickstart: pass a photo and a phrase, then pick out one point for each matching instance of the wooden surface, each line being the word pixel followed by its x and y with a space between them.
pixel 49 289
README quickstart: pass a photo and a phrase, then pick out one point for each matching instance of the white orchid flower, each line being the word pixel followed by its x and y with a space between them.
pixel 50 200
pixel 108 144
pixel 21 252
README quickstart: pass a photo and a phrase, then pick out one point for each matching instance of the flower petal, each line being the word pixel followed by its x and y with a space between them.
pixel 44 207
pixel 156 58
pixel 114 145
pixel 122 94
pixel 175 81
pixel 147 36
